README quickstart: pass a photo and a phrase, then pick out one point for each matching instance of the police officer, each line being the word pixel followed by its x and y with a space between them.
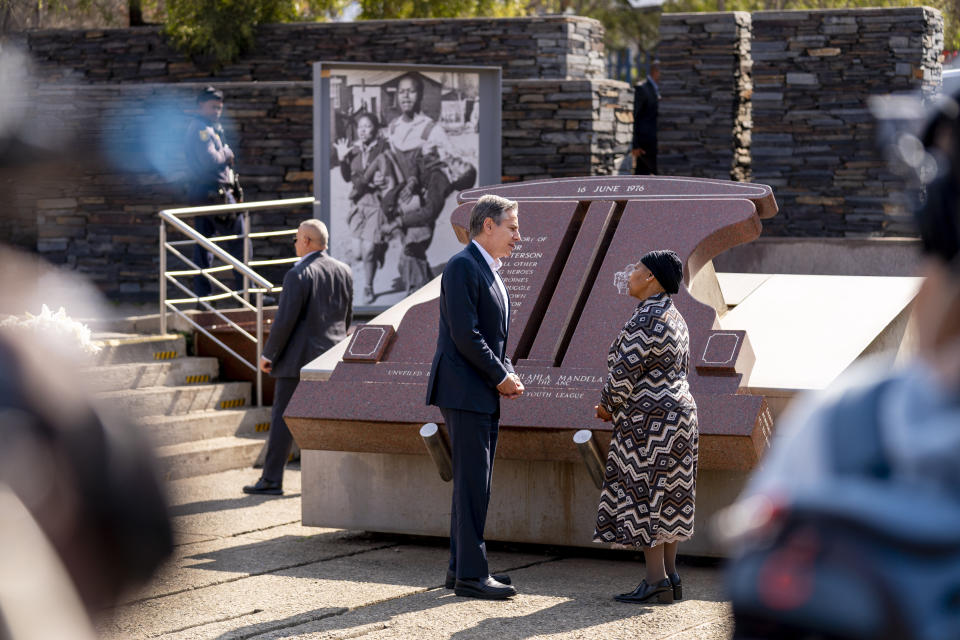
pixel 212 180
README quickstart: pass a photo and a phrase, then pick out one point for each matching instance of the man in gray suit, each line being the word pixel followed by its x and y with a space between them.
pixel 315 310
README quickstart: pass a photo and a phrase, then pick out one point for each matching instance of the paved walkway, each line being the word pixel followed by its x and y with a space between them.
pixel 245 568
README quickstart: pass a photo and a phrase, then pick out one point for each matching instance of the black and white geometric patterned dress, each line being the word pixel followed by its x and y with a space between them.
pixel 649 485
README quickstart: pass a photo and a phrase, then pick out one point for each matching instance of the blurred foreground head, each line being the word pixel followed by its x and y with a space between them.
pixel 87 479
pixel 936 166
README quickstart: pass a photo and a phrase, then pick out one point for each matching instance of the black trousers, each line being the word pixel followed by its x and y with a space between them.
pixel 279 441
pixel 646 164
pixel 210 226
pixel 473 440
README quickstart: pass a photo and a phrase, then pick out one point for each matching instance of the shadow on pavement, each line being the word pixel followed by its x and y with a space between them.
pixel 241 502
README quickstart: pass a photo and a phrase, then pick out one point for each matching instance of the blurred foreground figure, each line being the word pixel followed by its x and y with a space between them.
pixel 88 480
pixel 852 527
pixel 82 515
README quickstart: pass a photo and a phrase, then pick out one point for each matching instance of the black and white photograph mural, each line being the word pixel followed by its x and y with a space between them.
pixel 401 143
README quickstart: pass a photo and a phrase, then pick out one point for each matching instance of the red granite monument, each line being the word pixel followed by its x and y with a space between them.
pixel 365 465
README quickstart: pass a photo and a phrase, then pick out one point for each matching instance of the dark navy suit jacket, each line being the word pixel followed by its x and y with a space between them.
pixel 471 358
pixel 315 310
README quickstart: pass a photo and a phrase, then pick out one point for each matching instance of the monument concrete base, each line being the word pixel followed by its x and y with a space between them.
pixel 532 501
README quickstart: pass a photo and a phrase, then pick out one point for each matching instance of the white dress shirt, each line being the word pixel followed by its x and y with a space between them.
pixel 495 264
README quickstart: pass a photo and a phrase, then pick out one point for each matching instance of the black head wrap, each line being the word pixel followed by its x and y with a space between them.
pixel 666 267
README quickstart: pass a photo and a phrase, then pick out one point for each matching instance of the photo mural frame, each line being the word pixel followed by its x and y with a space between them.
pixel 393 144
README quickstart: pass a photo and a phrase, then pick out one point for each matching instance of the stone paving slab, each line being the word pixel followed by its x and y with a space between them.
pixel 217 504
pixel 568 598
pixel 222 560
pixel 245 567
pixel 291 595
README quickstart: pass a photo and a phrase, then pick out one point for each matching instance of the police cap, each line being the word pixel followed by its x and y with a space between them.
pixel 209 93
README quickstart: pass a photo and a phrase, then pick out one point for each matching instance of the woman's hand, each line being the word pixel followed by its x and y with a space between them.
pixel 342 146
pixel 602 413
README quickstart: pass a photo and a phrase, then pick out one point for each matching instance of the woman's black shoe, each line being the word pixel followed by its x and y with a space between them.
pixel 677 586
pixel 663 591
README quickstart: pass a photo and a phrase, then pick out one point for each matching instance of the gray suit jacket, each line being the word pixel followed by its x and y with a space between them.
pixel 316 307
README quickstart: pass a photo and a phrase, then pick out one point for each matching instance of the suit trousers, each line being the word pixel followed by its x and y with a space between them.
pixel 279 441
pixel 473 440
pixel 646 165
pixel 209 226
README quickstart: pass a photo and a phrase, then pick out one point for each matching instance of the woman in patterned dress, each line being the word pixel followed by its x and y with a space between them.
pixel 649 485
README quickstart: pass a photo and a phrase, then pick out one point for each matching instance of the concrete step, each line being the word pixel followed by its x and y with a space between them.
pixel 202 457
pixel 126 348
pixel 138 375
pixel 168 401
pixel 199 425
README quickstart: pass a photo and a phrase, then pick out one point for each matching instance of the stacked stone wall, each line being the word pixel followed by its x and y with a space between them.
pixel 704 117
pixel 540 47
pixel 814 138
pixel 98 214
pixel 559 129
pixel 125 85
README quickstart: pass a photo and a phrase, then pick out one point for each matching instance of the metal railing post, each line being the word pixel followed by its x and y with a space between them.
pixel 163 277
pixel 246 253
pixel 259 347
pixel 174 218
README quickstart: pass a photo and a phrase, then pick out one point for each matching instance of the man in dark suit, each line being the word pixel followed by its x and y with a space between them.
pixel 646 104
pixel 470 372
pixel 316 306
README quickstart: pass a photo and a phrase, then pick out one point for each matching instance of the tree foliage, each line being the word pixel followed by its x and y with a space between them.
pixel 406 9
pixel 220 30
pixel 20 15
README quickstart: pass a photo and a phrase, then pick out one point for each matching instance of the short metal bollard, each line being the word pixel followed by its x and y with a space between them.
pixel 439 448
pixel 587 445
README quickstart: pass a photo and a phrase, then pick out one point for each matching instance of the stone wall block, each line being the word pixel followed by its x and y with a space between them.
pixel 813 138
pixel 550 46
pixel 704 116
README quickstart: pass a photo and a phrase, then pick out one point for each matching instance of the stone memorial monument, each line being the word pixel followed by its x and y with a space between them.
pixel 364 463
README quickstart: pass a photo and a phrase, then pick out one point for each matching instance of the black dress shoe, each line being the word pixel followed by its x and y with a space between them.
pixel 677 586
pixel 264 488
pixel 451 580
pixel 485 589
pixel 663 591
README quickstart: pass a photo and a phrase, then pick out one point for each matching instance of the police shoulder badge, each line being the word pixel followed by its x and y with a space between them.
pixel 204 135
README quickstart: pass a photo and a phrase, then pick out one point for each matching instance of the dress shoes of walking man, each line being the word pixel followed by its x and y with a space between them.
pixel 662 592
pixel 485 589
pixel 451 581
pixel 264 488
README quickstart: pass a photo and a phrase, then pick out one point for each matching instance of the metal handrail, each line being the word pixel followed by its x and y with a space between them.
pixel 260 284
pixel 189 212
pixel 227 291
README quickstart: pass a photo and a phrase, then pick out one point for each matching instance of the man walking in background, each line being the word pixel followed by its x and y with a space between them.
pixel 646 104
pixel 316 306
pixel 470 372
